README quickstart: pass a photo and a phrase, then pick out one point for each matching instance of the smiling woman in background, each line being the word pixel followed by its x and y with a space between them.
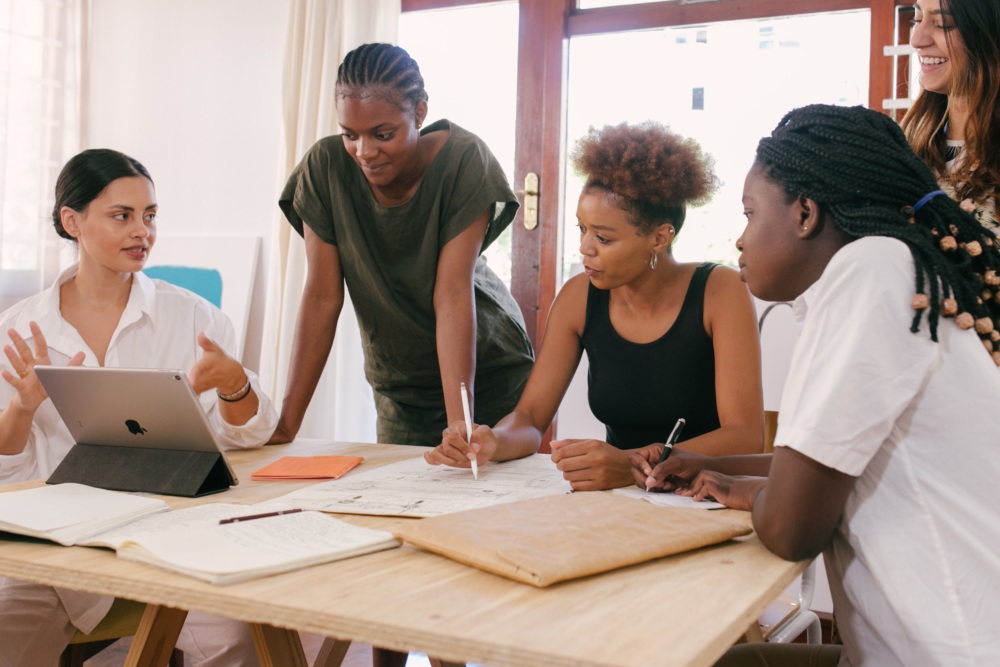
pixel 104 311
pixel 954 123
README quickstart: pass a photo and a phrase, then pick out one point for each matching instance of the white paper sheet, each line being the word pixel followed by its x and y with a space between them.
pixel 668 499
pixel 418 489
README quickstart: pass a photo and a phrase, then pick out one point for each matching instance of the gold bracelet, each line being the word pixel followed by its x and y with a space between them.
pixel 237 395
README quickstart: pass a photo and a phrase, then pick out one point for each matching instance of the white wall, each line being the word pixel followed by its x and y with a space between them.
pixel 192 89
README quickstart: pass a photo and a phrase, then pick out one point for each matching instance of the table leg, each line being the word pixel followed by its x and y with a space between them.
pixel 753 635
pixel 277 647
pixel 332 652
pixel 156 636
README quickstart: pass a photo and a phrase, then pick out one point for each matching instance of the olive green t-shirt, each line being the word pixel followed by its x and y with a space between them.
pixel 389 257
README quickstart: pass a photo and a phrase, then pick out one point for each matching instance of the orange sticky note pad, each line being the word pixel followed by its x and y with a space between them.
pixel 307 467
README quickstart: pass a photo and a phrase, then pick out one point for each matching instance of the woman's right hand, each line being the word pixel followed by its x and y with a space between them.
pixel 30 392
pixel 456 451
pixel 678 471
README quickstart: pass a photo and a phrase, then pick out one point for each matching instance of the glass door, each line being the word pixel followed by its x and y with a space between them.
pixel 725 85
pixel 468 58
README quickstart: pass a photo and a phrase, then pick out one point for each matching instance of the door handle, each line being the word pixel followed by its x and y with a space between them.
pixel 530 193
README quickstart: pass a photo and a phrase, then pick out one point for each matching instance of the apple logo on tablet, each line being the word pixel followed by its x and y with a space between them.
pixel 133 427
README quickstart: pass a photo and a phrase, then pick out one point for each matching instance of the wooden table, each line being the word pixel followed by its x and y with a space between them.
pixel 682 610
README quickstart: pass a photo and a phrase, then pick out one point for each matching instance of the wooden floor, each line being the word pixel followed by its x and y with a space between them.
pixel 359 655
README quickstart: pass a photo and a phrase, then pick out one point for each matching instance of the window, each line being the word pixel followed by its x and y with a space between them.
pixel 724 89
pixel 471 79
pixel 39 127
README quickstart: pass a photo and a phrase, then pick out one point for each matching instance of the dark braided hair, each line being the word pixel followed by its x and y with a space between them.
pixel 652 172
pixel 857 165
pixel 383 70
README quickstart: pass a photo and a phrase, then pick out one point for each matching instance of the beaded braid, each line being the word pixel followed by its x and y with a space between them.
pixel 384 66
pixel 856 163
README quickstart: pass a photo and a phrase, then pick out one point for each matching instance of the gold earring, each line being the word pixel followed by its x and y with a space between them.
pixel 653 259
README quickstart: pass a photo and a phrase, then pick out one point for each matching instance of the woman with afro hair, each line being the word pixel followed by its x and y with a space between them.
pixel 665 340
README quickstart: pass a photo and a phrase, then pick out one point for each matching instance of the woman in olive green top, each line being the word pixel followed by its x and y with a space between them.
pixel 400 215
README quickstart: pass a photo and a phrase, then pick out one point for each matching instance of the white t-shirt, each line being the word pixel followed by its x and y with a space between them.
pixel 914 565
pixel 158 329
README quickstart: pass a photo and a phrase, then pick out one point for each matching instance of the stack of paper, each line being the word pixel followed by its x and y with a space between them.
pixel 415 488
pixel 71 513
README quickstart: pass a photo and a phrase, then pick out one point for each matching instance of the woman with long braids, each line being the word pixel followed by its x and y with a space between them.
pixel 885 459
pixel 954 123
pixel 400 213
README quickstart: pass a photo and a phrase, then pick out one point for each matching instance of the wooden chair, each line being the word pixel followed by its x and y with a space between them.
pixel 122 620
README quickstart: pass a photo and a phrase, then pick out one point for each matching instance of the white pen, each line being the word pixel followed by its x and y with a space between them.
pixel 468 429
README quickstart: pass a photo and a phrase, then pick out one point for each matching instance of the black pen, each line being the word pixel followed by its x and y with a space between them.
pixel 251 517
pixel 668 446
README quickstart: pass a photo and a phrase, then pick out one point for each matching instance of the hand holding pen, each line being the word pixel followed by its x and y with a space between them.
pixel 668 447
pixel 468 430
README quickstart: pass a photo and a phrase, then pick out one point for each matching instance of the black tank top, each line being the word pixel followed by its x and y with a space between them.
pixel 639 390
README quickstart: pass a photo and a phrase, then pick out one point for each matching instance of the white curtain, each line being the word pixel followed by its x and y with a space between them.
pixel 40 80
pixel 320 34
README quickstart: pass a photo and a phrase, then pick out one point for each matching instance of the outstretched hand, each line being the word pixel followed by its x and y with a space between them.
pixel 30 392
pixel 216 369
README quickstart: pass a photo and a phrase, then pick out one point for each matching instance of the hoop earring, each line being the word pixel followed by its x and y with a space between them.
pixel 653 259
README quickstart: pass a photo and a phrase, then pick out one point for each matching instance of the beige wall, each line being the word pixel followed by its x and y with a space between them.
pixel 192 89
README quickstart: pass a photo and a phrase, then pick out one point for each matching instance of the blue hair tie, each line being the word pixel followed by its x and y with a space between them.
pixel 927 197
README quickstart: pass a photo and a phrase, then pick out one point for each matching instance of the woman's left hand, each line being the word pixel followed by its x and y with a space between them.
pixel 737 493
pixel 216 369
pixel 591 465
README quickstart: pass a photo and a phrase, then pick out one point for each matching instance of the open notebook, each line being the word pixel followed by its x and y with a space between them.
pixel 216 542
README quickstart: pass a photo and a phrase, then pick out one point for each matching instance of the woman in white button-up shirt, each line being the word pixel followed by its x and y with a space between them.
pixel 104 312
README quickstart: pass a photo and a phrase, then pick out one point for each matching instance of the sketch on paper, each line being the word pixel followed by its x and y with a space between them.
pixel 417 489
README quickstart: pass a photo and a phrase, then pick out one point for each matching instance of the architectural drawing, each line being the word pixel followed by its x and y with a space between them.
pixel 415 488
